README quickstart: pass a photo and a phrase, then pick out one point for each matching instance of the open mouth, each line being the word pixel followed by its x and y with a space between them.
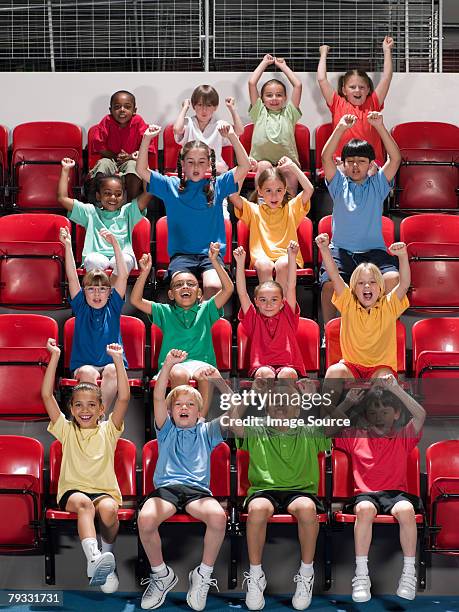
pixel 367 295
pixel 85 417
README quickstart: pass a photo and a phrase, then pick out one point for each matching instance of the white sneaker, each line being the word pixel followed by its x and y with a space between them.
pixel 254 599
pixel 303 593
pixel 407 586
pixel 111 584
pixel 199 587
pixel 100 567
pixel 157 589
pixel 361 589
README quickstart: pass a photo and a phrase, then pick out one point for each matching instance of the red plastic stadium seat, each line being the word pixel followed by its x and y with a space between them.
pixel 38 149
pixel 3 162
pixel 430 227
pixel 333 348
pixel 323 133
pixel 23 361
pixel 436 364
pixel 30 251
pixel 21 494
pixel 308 337
pixel 442 464
pixel 94 157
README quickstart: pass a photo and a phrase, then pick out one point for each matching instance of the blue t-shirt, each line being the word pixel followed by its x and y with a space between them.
pixel 191 223
pixel 357 212
pixel 184 454
pixel 94 329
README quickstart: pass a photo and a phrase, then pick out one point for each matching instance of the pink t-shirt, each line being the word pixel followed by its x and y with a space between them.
pixel 379 463
pixel 110 136
pixel 273 339
pixel 362 129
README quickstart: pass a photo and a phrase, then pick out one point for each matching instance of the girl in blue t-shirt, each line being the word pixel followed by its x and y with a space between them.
pixel 194 203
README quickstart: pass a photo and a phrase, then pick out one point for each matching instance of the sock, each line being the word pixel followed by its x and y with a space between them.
pixel 159 569
pixel 307 569
pixel 90 548
pixel 206 570
pixel 106 547
pixel 256 570
pixel 409 565
pixel 361 566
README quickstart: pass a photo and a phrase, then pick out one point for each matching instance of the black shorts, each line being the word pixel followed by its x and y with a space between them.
pixel 178 495
pixel 384 501
pixel 347 262
pixel 92 496
pixel 195 264
pixel 281 500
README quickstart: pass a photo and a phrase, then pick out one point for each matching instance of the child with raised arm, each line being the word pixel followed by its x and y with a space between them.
pixel 87 481
pixel 97 308
pixel 113 214
pixel 274 119
pixel 274 220
pixel 357 95
pixel 272 322
pixel 187 322
pixel 379 455
pixel 358 201
pixel 182 481
pixel 194 204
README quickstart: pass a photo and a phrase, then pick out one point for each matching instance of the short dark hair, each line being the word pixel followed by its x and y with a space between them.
pixel 100 180
pixel 383 397
pixel 270 83
pixel 206 94
pixel 122 91
pixel 358 148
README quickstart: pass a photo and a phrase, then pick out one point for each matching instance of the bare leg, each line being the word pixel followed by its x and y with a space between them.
pixel 291 180
pixel 154 512
pixel 133 186
pixel 328 310
pixel 210 283
pixel 178 376
pixel 334 382
pixel 264 268
pixel 304 510
pixel 391 280
pixel 287 373
pixel 107 512
pixel 365 513
pixel 209 511
pixel 261 167
pixel 260 510
pixel 264 372
pixel 108 386
pixel 206 389
pixel 84 508
pixel 281 273
pixel 403 511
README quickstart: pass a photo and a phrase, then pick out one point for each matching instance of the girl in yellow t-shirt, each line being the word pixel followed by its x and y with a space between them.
pixel 273 221
pixel 87 482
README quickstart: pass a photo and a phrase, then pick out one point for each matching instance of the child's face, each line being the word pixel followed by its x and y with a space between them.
pixel 269 301
pixel 381 418
pixel 196 164
pixel 111 194
pixel 122 109
pixel 184 290
pixel 86 409
pixel 274 97
pixel 356 90
pixel 272 191
pixel 356 168
pixel 96 295
pixel 282 409
pixel 204 112
pixel 367 289
pixel 184 410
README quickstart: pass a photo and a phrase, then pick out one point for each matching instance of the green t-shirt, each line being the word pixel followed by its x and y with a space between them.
pixel 274 132
pixel 119 222
pixel 283 461
pixel 187 330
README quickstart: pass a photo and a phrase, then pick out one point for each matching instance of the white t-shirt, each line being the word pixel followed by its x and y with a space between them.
pixel 211 136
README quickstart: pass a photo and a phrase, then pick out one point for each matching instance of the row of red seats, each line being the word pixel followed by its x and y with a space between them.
pixel 427 180
pixel 30 515
pixel 23 356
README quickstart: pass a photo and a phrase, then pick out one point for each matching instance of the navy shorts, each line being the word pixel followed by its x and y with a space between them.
pixel 196 264
pixel 178 495
pixel 281 500
pixel 384 501
pixel 347 262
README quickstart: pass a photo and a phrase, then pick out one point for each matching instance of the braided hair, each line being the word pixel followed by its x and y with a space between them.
pixel 209 188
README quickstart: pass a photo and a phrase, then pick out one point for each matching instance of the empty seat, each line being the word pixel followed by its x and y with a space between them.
pixel 430 228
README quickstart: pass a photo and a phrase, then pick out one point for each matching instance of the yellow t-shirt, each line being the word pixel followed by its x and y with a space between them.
pixel 369 337
pixel 271 229
pixel 88 457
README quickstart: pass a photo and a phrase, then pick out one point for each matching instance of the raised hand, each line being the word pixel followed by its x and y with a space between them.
pixel 108 236
pixel 145 262
pixel 285 162
pixel 398 249
pixel 64 236
pixel 115 350
pixel 123 157
pixel 279 62
pixel 347 121
pixel 387 43
pixel 214 250
pixel 293 247
pixel 230 103
pixel 52 347
pixel 68 163
pixel 322 241
pixel 268 59
pixel 324 49
pixel 239 255
pixel 175 356
pixel 375 118
pixel 224 128
pixel 152 131
pixel 186 104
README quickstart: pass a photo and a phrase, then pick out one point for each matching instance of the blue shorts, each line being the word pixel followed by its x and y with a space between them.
pixel 347 262
pixel 196 264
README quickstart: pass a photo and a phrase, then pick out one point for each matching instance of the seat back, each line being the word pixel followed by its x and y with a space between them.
pixel 94 157
pixel 440 335
pixel 426 135
pixel 3 155
pixel 322 134
pixel 434 276
pixel 219 468
pixel 431 228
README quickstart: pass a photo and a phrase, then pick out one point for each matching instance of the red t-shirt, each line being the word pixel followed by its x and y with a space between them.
pixel 110 136
pixel 362 129
pixel 273 339
pixel 379 463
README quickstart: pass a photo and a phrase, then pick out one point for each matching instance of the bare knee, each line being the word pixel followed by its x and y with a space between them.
pixel 147 521
pixel 264 267
pixel 179 376
pixel 216 519
pixel 365 511
pixel 327 290
pixel 87 374
pixel 109 373
pixel 107 510
pixel 260 510
pixel 304 510
pixel 264 372
pixel 403 512
pixel 281 266
pixel 391 280
pixel 84 506
pixel 287 373
pixel 338 370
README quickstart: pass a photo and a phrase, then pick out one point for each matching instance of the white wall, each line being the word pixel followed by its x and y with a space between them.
pixel 83 98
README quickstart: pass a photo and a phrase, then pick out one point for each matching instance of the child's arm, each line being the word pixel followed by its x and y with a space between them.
pixel 294 80
pixel 143 200
pixel 70 268
pixel 239 256
pixel 346 122
pixel 159 395
pixel 236 201
pixel 141 166
pixel 179 125
pixel 63 184
pixel 418 413
pixel 47 386
pixel 383 86
pixel 256 75
pixel 323 242
pixel 235 411
pixel 325 87
pixel 227 284
pixel 123 392
pixel 122 272
pixel 399 249
pixel 308 189
pixel 238 126
pixel 292 251
pixel 391 166
pixel 137 298
pixel 243 163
